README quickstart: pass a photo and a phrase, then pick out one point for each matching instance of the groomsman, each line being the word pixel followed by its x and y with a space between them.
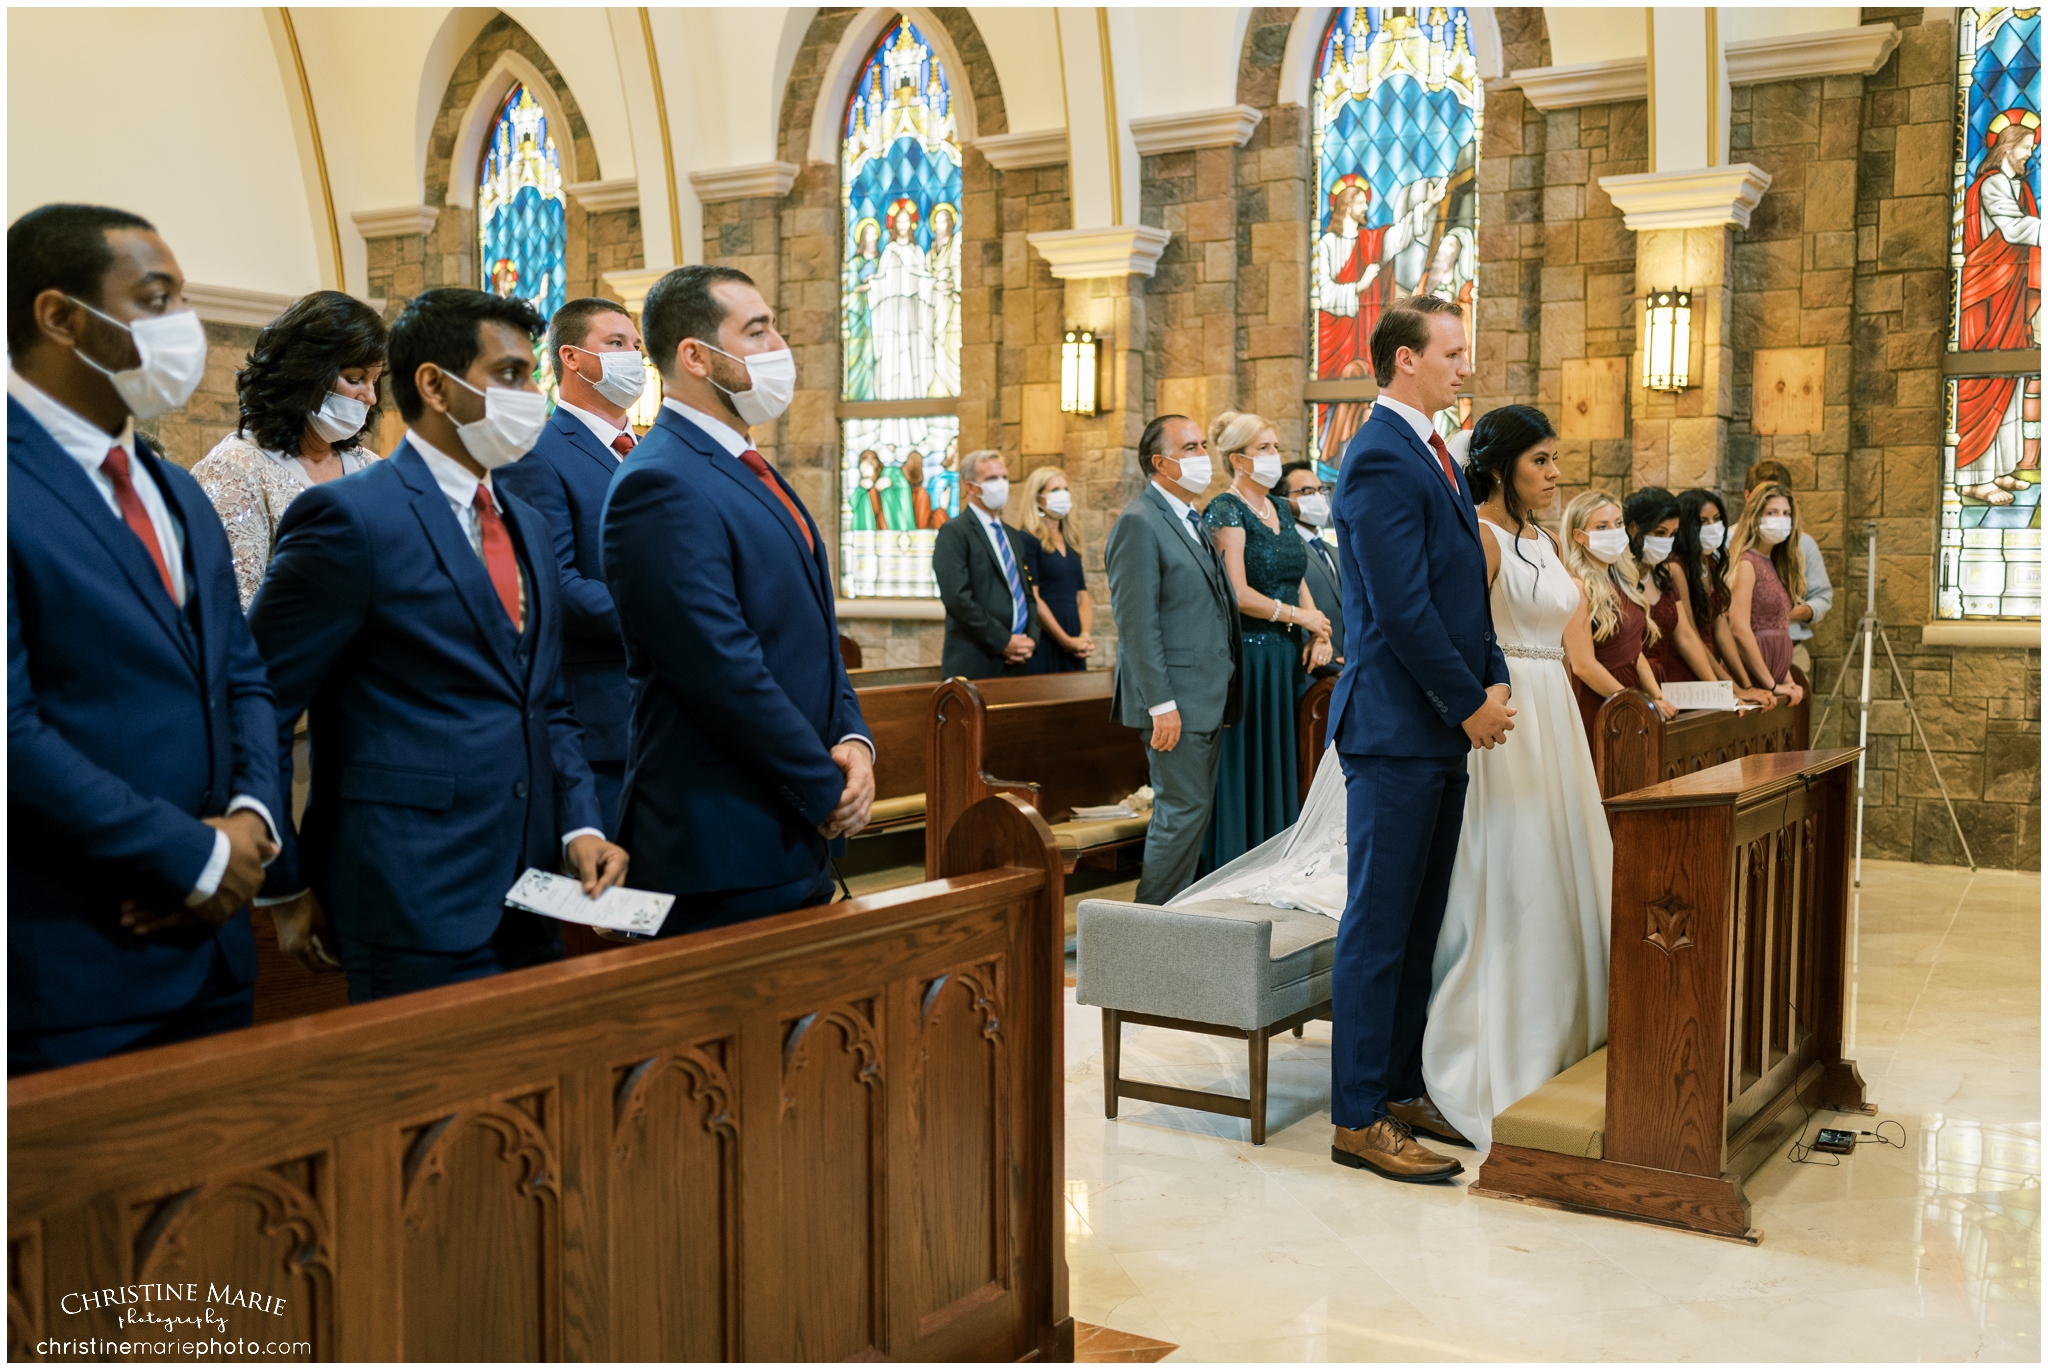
pixel 599 371
pixel 1310 502
pixel 418 612
pixel 141 770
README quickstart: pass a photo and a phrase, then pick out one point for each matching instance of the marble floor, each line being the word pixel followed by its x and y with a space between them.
pixel 1180 1231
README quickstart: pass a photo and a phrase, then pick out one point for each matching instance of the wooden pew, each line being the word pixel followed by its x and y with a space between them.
pixel 1727 979
pixel 1068 741
pixel 1634 748
pixel 1312 730
pixel 871 676
pixel 849 652
pixel 832 1134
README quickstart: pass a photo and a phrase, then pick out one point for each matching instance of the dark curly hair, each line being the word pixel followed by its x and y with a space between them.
pixel 1700 578
pixel 1500 440
pixel 295 362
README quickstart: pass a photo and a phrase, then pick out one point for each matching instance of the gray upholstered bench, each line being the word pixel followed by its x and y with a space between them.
pixel 1219 967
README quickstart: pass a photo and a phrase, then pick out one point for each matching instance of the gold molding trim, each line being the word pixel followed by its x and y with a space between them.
pixel 291 38
pixel 668 157
pixel 1650 73
pixel 1713 16
pixel 1116 164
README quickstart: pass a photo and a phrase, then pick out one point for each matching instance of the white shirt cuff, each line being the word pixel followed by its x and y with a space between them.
pixel 209 877
pixel 272 901
pixel 262 811
pixel 864 741
pixel 569 837
pixel 1157 709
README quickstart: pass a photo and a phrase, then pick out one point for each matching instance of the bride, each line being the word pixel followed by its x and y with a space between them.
pixel 1521 964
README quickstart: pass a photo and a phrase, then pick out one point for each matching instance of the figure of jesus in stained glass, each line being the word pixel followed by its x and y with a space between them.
pixel 521 213
pixel 1395 119
pixel 900 298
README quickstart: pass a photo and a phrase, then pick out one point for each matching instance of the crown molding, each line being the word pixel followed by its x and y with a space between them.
pixel 231 304
pixel 1707 197
pixel 1587 83
pixel 598 196
pixel 1019 151
pixel 753 181
pixel 395 223
pixel 1088 253
pixel 1855 51
pixel 1230 126
pixel 633 283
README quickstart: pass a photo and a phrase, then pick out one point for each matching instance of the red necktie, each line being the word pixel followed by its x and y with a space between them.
pixel 498 558
pixel 1443 456
pixel 756 463
pixel 623 443
pixel 134 515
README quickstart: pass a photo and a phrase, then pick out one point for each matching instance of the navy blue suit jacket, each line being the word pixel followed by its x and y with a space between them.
pixel 1418 632
pixel 445 757
pixel 127 722
pixel 732 646
pixel 565 477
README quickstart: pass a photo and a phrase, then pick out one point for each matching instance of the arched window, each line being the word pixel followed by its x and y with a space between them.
pixel 522 223
pixel 1394 132
pixel 1991 476
pixel 899 317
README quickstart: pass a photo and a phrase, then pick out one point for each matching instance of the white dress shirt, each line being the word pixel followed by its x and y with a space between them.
pixel 86 443
pixel 600 428
pixel 1413 417
pixel 733 444
pixel 1182 512
pixel 998 543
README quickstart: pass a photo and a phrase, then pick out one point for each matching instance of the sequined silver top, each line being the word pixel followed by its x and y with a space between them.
pixel 250 489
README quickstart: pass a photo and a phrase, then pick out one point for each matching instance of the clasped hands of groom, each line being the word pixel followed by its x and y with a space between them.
pixel 1424 682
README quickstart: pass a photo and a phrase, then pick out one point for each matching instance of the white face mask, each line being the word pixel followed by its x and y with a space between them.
pixel 1773 529
pixel 1195 474
pixel 339 416
pixel 1266 470
pixel 995 493
pixel 172 352
pixel 774 378
pixel 1656 549
pixel 1314 510
pixel 1712 535
pixel 625 375
pixel 1059 503
pixel 1607 543
pixel 509 428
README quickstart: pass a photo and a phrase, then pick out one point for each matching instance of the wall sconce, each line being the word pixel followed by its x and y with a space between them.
pixel 1667 340
pixel 1080 370
pixel 647 408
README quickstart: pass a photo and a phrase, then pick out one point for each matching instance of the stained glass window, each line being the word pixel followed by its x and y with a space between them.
pixel 1394 130
pixel 521 215
pixel 1991 460
pixel 899 322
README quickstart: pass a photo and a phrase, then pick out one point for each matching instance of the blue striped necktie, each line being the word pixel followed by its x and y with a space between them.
pixel 1019 618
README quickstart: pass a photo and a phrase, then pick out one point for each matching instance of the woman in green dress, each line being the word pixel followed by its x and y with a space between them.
pixel 1258 792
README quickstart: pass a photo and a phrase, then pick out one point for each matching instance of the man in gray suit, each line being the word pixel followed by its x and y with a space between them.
pixel 1310 503
pixel 1177 648
pixel 978 560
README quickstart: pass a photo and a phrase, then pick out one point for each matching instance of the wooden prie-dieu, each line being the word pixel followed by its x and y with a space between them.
pixel 1726 989
pixel 1634 747
pixel 830 1134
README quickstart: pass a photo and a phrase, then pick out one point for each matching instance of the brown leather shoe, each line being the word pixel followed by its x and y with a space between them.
pixel 1422 1116
pixel 1389 1149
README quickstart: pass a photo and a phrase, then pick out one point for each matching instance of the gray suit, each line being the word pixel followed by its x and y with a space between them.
pixel 1176 623
pixel 1326 587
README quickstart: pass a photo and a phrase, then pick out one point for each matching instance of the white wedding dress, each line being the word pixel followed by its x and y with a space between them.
pixel 1521 965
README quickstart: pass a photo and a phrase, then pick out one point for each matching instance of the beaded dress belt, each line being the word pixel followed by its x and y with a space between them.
pixel 1539 653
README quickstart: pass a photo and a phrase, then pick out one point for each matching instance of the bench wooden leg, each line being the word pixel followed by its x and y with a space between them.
pixel 1256 1048
pixel 1112 1053
pixel 1297 1029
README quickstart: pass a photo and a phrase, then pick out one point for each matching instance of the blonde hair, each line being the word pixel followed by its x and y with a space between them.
pixel 1029 518
pixel 1786 558
pixel 1232 433
pixel 1604 584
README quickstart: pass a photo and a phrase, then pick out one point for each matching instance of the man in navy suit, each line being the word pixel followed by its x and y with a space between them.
pixel 596 353
pixel 749 760
pixel 1423 682
pixel 142 770
pixel 418 612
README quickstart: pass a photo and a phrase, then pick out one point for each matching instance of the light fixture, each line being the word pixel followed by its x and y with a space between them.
pixel 647 408
pixel 1080 372
pixel 1667 339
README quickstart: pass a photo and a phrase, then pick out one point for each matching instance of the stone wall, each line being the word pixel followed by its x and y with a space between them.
pixel 187 434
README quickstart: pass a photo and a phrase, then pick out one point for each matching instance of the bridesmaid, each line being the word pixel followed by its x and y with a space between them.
pixel 1677 653
pixel 1605 648
pixel 1258 792
pixel 1058 582
pixel 308 401
pixel 1766 576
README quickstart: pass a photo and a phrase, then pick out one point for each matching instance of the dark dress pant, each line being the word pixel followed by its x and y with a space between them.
pixel 375 972
pixel 1404 813
pixel 723 908
pixel 221 1006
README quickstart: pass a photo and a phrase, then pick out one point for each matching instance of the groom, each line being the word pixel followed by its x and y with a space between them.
pixel 1423 683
